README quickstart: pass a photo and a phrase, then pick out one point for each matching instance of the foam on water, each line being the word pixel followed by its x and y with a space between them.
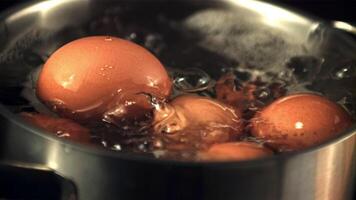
pixel 233 35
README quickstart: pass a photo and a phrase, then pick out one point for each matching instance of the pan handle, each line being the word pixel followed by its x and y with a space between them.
pixel 345 26
pixel 32 181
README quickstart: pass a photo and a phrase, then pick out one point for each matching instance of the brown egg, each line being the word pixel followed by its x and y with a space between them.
pixel 195 118
pixel 298 121
pixel 62 128
pixel 101 77
pixel 234 151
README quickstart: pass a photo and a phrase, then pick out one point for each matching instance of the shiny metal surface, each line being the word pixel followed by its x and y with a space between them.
pixel 326 172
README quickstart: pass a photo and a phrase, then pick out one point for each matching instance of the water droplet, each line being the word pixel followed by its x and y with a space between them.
pixel 285 75
pixel 136 36
pixel 132 36
pixel 116 147
pixel 62 134
pixel 158 143
pixel 345 72
pixel 143 147
pixel 341 73
pixel 262 93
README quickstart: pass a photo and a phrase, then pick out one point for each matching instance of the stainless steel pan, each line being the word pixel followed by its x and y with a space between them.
pixel 209 35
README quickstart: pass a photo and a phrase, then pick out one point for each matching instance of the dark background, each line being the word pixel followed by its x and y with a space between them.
pixel 343 10
pixel 327 9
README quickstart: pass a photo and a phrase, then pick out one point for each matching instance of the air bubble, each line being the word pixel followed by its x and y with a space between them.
pixel 104 143
pixel 285 75
pixel 132 36
pixel 262 93
pixel 135 35
pixel 116 147
pixel 143 146
pixel 345 72
pixel 154 42
pixel 158 143
pixel 192 80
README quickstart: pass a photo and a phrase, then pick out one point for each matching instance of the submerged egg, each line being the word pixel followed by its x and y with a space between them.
pixel 234 151
pixel 298 121
pixel 62 128
pixel 196 118
pixel 101 77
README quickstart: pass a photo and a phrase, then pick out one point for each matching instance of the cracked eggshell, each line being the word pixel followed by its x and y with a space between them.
pixel 91 76
pixel 207 119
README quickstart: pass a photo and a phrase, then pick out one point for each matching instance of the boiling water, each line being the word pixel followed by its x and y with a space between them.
pixel 197 47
